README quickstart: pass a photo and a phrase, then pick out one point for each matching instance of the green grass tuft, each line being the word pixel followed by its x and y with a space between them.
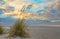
pixel 19 29
pixel 1 30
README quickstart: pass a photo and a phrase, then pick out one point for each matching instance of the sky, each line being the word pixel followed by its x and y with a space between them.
pixel 34 11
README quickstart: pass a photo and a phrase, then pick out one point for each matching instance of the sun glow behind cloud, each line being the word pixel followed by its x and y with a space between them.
pixel 37 5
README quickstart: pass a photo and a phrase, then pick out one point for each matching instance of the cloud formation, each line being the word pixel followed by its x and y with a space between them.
pixel 44 9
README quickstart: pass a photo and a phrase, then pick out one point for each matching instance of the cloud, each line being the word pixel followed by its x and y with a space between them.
pixel 19 14
pixel 2 16
pixel 52 13
pixel 52 7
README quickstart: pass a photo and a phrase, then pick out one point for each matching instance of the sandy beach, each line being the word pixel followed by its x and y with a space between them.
pixel 38 32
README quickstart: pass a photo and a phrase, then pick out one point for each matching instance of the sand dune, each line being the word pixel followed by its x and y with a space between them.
pixel 40 33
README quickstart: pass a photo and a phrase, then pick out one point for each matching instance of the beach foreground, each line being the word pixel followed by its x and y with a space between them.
pixel 38 32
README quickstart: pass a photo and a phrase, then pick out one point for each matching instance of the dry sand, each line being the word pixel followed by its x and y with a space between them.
pixel 37 32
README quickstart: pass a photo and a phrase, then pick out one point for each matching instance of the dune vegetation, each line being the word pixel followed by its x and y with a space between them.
pixel 19 29
pixel 1 30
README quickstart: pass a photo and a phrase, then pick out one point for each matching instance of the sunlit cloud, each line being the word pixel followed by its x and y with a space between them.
pixel 36 5
pixel 50 9
pixel 22 15
pixel 55 20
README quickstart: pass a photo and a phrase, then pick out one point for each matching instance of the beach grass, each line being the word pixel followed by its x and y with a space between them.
pixel 1 30
pixel 18 29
